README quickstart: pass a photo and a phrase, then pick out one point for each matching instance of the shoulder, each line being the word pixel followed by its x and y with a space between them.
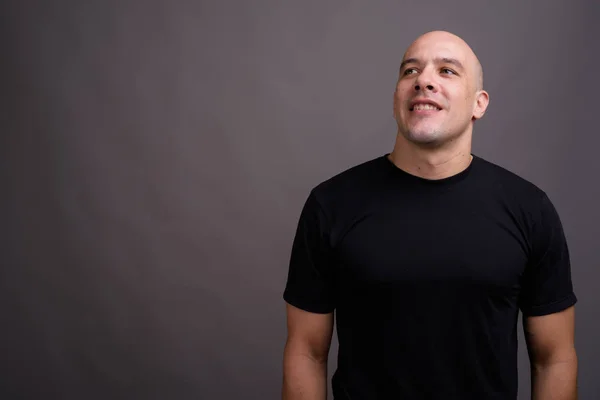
pixel 508 182
pixel 519 195
pixel 352 181
pixel 338 198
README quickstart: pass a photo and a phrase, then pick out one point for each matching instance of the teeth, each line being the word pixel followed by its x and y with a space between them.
pixel 425 107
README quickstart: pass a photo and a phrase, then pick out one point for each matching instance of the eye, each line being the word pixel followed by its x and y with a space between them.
pixel 448 70
pixel 408 70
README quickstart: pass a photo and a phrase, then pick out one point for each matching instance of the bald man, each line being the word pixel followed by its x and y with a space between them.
pixel 425 255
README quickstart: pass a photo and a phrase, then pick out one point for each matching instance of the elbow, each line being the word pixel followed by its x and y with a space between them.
pixel 297 350
pixel 567 356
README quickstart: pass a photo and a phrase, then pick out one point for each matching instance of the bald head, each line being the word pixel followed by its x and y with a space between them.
pixel 439 92
pixel 457 45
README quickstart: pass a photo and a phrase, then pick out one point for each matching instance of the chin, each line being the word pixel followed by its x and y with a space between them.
pixel 424 137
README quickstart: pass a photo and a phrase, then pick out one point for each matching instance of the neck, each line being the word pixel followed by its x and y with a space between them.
pixel 432 162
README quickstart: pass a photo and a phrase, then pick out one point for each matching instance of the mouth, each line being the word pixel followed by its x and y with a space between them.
pixel 424 106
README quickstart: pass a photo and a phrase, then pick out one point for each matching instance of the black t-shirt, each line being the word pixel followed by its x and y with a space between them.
pixel 426 277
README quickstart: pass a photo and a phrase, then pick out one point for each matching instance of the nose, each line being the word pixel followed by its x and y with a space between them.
pixel 419 87
pixel 425 82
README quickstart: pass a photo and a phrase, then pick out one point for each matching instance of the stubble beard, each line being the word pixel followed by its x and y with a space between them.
pixel 432 136
pixel 429 137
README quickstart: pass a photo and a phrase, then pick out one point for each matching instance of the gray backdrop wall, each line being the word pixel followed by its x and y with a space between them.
pixel 155 157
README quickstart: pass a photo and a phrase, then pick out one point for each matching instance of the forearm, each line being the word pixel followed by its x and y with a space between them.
pixel 304 378
pixel 554 381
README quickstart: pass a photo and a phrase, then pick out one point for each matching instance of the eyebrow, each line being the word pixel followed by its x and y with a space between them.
pixel 443 60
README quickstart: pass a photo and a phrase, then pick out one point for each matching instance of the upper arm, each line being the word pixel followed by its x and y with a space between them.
pixel 309 333
pixel 550 338
pixel 310 292
pixel 546 285
pixel 547 297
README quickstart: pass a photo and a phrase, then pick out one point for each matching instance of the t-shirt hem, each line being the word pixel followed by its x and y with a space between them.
pixel 551 308
pixel 307 306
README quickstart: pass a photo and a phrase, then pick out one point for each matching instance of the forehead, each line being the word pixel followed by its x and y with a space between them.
pixel 429 49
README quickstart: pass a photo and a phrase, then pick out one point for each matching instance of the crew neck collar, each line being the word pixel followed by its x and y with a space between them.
pixel 430 182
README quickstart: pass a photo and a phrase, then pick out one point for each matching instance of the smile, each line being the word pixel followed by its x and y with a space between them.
pixel 424 107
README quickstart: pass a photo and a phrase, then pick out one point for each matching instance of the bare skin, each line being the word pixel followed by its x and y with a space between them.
pixel 306 354
pixel 551 346
pixel 439 68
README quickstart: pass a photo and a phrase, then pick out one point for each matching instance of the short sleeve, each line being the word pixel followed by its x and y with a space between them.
pixel 547 286
pixel 310 280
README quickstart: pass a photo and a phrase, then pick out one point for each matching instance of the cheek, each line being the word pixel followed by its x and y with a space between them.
pixel 403 89
pixel 400 99
pixel 462 99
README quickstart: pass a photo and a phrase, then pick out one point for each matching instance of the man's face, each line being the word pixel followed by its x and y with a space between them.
pixel 436 93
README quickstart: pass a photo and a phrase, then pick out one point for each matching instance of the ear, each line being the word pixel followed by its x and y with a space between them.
pixel 482 100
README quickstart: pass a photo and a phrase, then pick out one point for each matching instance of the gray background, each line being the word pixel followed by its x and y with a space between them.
pixel 155 157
